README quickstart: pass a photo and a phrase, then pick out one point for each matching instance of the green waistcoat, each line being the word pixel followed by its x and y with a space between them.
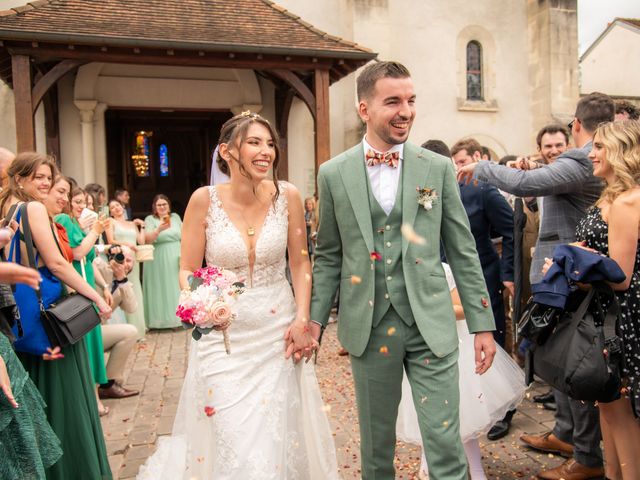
pixel 389 278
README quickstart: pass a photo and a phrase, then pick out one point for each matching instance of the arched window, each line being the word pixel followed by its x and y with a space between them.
pixel 474 71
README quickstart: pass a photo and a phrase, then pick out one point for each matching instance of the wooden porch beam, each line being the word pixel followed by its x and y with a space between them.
pixel 322 137
pixel 25 127
pixel 295 82
pixel 49 79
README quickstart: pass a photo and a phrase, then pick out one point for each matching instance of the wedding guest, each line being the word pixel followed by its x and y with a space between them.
pixel 118 339
pixel 129 233
pixel 98 196
pixel 122 195
pixel 163 229
pixel 82 244
pixel 626 111
pixel 65 382
pixel 23 423
pixel 612 227
pixel 312 223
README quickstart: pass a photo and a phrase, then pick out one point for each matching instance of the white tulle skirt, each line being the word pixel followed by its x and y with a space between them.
pixel 484 399
pixel 269 420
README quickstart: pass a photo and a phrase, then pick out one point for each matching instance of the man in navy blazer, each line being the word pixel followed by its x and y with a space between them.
pixel 489 216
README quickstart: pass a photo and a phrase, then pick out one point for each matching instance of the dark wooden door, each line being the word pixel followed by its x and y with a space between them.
pixel 185 140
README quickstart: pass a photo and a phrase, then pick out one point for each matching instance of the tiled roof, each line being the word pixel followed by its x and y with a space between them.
pixel 240 25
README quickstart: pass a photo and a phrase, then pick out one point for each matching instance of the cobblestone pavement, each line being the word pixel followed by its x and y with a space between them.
pixel 157 368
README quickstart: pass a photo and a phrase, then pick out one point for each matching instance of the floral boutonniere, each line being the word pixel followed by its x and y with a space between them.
pixel 426 197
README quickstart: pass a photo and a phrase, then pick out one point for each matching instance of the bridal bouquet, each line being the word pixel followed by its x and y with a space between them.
pixel 207 305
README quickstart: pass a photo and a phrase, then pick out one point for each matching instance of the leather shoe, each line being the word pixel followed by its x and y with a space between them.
pixel 116 391
pixel 553 406
pixel 572 470
pixel 343 352
pixel 549 443
pixel 544 397
pixel 501 428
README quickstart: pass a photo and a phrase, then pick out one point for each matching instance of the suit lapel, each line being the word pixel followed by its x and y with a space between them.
pixel 354 178
pixel 416 168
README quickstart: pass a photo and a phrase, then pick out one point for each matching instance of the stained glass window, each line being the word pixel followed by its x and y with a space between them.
pixel 163 156
pixel 140 156
pixel 474 71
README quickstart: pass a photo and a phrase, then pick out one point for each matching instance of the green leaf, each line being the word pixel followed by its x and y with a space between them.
pixel 194 282
pixel 196 334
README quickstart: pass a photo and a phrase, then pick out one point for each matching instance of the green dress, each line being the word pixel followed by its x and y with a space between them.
pixel 160 280
pixel 94 337
pixel 66 386
pixel 28 445
pixel 127 234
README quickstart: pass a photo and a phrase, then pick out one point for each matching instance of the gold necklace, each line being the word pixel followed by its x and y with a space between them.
pixel 250 230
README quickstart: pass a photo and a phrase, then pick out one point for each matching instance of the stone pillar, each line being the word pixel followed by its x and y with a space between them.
pixel 553 61
pixel 100 138
pixel 87 111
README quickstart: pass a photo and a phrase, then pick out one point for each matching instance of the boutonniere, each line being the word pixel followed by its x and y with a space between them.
pixel 426 197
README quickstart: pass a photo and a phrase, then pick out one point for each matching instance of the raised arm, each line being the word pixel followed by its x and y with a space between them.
pixel 46 245
pixel 193 235
pixel 564 175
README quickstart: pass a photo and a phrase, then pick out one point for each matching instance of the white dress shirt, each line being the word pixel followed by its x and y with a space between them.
pixel 383 178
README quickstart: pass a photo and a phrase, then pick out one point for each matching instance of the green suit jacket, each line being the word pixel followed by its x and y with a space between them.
pixel 345 242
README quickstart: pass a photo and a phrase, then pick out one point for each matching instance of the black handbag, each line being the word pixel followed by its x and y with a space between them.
pixel 71 317
pixel 583 357
pixel 538 321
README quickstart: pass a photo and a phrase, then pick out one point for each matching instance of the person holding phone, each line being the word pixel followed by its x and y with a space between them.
pixel 83 230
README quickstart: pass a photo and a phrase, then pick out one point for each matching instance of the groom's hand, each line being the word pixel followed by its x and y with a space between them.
pixel 485 348
pixel 315 330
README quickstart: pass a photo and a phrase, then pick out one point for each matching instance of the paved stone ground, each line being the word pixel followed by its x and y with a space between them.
pixel 157 368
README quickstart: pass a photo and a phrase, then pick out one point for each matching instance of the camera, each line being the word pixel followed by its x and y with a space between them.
pixel 115 253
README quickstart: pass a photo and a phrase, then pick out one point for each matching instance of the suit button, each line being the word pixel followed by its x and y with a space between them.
pixel 389 277
pixel 388 261
pixel 388 244
pixel 386 296
pixel 387 228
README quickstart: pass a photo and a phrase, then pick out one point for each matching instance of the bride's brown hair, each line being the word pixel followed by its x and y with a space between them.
pixel 235 130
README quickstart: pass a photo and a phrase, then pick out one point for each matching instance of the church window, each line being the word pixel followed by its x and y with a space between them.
pixel 474 71
pixel 163 156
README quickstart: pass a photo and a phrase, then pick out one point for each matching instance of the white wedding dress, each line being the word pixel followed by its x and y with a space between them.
pixel 269 420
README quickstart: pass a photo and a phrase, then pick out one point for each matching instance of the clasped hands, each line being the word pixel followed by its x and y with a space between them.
pixel 301 339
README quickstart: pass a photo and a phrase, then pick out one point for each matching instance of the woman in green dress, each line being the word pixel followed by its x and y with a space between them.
pixel 82 244
pixel 161 290
pixel 65 382
pixel 125 232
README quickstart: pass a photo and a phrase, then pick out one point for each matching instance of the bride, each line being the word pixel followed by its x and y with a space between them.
pixel 252 414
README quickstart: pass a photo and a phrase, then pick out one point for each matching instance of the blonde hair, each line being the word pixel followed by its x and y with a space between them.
pixel 621 142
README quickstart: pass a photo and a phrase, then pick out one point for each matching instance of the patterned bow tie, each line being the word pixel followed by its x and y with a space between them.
pixel 376 158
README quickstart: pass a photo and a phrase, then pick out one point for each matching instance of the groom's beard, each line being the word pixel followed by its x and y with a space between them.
pixel 392 136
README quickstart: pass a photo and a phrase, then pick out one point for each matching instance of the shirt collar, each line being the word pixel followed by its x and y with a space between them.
pixel 396 148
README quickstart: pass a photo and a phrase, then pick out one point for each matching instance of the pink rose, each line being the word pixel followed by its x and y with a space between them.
pixel 221 314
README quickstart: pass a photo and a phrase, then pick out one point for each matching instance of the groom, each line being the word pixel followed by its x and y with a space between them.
pixel 395 308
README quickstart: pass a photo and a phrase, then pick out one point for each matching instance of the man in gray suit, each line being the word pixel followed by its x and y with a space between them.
pixel 568 188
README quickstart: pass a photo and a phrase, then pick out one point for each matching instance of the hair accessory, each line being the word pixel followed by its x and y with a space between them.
pixel 248 113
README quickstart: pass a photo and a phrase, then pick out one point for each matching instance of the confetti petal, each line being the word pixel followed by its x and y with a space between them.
pixel 209 411
pixel 355 280
pixel 384 350
pixel 411 236
pixel 391 331
pixel 375 256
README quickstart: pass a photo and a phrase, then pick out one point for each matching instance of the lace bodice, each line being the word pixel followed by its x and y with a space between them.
pixel 226 248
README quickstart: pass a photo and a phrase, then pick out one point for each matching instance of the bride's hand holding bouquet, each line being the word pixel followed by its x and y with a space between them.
pixel 208 304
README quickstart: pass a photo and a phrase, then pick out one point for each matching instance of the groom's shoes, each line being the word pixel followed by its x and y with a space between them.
pixel 501 428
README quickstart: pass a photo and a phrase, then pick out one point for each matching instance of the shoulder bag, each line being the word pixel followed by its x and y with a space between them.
pixel 583 356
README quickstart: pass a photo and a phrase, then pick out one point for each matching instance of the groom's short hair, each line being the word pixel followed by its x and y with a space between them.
pixel 373 72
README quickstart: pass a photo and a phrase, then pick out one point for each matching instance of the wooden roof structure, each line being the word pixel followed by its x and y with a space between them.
pixel 43 40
